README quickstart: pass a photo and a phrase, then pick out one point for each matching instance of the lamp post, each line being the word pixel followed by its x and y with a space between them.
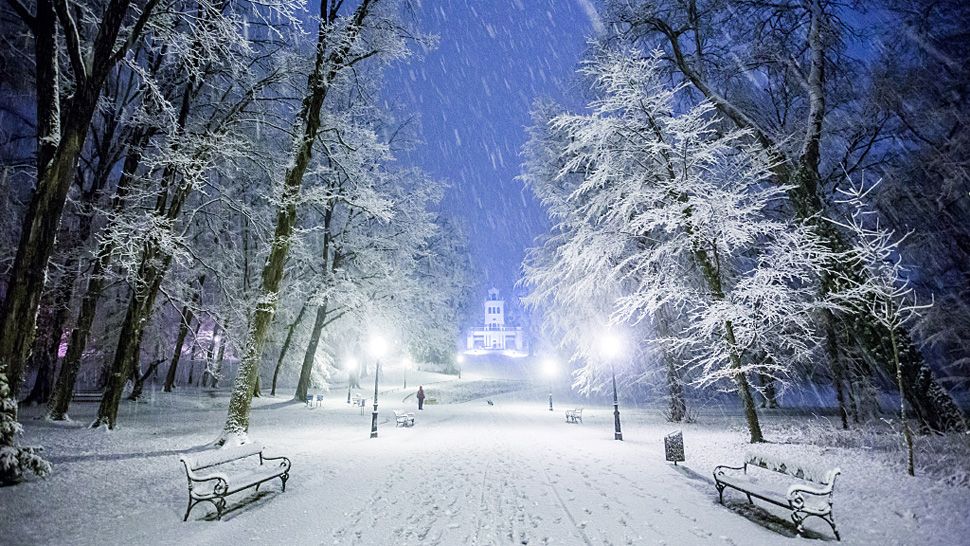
pixel 351 368
pixel 459 359
pixel 377 348
pixel 549 368
pixel 610 347
pixel 407 365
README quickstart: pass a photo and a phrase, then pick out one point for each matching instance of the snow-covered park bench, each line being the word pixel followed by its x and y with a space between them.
pixel 809 495
pixel 314 400
pixel 403 419
pixel 574 415
pixel 215 485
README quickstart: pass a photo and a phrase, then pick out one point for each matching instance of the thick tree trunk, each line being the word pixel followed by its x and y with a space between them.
pixel 286 346
pixel 326 68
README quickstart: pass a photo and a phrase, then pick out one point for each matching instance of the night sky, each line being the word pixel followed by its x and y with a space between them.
pixel 472 95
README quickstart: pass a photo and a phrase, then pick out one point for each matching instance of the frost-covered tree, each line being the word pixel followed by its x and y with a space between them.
pixel 682 214
pixel 791 74
pixel 885 293
pixel 371 29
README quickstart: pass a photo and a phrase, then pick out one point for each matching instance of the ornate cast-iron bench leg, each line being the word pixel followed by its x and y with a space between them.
pixel 283 478
pixel 720 491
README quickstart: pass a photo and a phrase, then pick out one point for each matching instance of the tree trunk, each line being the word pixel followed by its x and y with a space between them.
pixel 286 346
pixel 744 390
pixel 186 321
pixel 217 371
pixel 768 391
pixel 309 357
pixel 177 354
pixel 139 385
pixel 326 68
pixel 907 433
pixel 194 353
pixel 675 388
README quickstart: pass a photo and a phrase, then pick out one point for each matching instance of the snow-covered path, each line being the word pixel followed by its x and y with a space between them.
pixel 514 474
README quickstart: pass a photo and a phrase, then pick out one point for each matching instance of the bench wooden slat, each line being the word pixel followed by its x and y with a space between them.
pixel 213 457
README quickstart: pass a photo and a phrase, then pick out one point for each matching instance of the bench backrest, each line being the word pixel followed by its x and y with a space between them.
pixel 214 457
pixel 800 471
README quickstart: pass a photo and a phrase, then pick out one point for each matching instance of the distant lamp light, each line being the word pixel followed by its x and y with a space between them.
pixel 550 367
pixel 351 364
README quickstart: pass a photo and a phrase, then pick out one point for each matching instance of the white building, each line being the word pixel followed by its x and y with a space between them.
pixel 494 335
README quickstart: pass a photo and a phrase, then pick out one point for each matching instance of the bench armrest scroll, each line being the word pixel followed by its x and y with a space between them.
pixel 719 469
pixel 285 461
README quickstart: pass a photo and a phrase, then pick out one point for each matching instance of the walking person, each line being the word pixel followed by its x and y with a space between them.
pixel 420 397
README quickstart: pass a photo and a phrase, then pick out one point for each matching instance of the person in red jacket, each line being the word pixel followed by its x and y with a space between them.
pixel 420 397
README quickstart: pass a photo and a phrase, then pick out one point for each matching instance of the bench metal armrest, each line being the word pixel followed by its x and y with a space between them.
pixel 719 469
pixel 218 490
pixel 286 461
pixel 799 490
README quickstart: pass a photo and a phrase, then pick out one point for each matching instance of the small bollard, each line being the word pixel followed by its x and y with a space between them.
pixel 674 447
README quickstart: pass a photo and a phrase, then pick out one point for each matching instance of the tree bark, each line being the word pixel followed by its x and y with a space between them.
pixel 286 346
pixel 180 338
pixel 309 357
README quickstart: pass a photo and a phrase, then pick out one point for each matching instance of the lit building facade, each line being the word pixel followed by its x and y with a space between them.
pixel 494 334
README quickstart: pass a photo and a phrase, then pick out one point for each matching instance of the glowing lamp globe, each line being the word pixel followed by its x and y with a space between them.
pixel 549 367
pixel 377 347
pixel 610 345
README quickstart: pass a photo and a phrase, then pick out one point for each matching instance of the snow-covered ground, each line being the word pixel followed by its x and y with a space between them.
pixel 467 473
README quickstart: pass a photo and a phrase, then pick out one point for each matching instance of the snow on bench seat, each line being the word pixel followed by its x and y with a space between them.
pixel 229 478
pixel 802 499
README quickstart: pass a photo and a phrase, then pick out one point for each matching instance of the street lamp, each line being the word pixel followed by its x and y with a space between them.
pixel 610 348
pixel 549 369
pixel 407 365
pixel 351 369
pixel 377 349
pixel 459 359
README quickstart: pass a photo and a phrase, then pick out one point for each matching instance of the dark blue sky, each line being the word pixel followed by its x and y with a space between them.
pixel 472 95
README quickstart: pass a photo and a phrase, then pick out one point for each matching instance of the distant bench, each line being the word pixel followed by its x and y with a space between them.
pixel 574 415
pixel 87 396
pixel 403 419
pixel 314 400
pixel 215 486
pixel 430 401
pixel 803 499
